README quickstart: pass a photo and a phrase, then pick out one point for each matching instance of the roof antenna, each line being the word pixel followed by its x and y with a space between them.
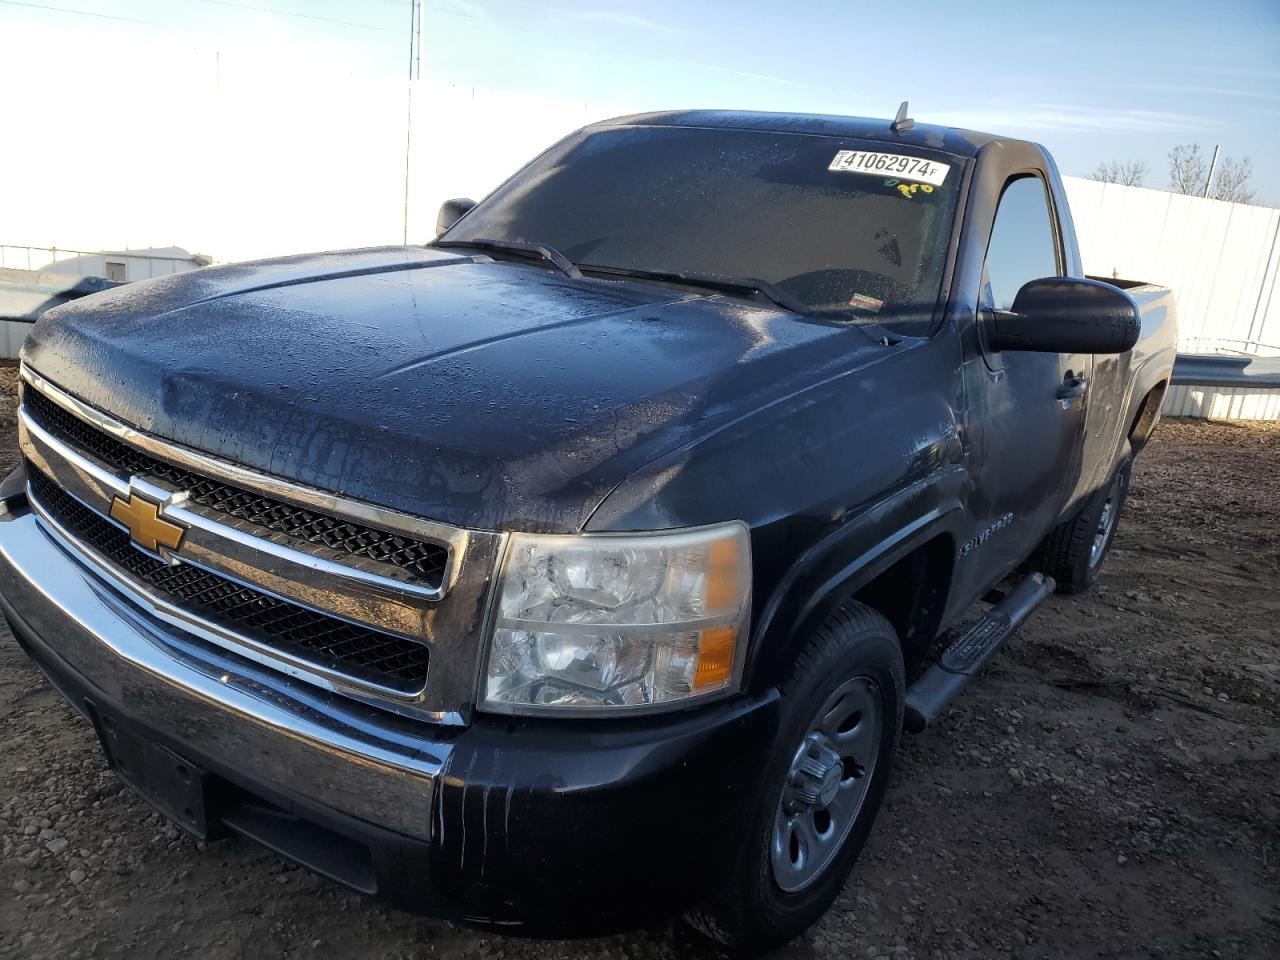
pixel 902 123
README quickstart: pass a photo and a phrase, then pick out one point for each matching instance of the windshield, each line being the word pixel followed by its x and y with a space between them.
pixel 867 239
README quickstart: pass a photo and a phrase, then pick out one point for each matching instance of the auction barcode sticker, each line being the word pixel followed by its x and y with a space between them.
pixel 891 165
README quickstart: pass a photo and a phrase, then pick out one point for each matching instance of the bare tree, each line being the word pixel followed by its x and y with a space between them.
pixel 1187 169
pixel 1130 174
pixel 1188 173
pixel 1231 182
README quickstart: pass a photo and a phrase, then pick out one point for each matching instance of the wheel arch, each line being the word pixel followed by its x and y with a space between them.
pixel 912 594
pixel 1147 417
pixel 907 578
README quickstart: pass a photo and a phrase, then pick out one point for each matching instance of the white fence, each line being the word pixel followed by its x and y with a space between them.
pixel 1222 261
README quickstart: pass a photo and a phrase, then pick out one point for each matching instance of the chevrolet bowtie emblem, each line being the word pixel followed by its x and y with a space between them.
pixel 147 528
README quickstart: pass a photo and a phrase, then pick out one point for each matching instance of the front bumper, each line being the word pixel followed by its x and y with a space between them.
pixel 533 826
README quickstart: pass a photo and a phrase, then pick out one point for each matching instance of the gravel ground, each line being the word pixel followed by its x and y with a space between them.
pixel 1109 789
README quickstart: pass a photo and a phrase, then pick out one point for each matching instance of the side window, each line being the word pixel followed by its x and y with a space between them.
pixel 1022 245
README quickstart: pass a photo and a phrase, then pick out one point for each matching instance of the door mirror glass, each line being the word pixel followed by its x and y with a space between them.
pixel 1066 315
pixel 451 211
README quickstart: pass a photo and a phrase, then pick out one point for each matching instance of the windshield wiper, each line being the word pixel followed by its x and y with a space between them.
pixel 749 285
pixel 764 288
pixel 539 250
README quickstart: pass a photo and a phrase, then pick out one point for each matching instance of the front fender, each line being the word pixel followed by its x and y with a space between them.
pixel 836 568
pixel 836 482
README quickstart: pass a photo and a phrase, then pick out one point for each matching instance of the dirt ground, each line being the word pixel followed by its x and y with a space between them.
pixel 1111 787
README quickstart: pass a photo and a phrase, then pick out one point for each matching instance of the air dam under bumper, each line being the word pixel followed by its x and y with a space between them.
pixel 546 828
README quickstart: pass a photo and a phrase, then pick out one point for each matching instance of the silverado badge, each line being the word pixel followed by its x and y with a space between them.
pixel 146 527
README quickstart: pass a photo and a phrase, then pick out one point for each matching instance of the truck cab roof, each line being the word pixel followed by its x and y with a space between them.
pixel 960 142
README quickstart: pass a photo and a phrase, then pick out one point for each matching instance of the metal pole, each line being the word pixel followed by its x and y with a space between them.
pixel 414 14
pixel 1212 167
pixel 1260 311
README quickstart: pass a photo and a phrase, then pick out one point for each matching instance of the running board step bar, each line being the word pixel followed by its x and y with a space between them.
pixel 942 682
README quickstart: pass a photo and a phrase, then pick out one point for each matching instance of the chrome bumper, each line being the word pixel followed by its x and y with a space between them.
pixel 267 727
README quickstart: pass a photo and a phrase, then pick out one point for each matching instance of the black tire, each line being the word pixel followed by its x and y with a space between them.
pixel 1068 554
pixel 750 912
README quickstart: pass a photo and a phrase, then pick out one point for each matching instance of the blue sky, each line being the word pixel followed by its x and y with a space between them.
pixel 1093 81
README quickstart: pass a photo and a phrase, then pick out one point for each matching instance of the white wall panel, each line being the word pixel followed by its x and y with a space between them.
pixel 1220 259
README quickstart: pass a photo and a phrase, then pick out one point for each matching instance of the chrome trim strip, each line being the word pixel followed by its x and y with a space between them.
pixel 244 552
pixel 81 477
pixel 393 521
pixel 254 722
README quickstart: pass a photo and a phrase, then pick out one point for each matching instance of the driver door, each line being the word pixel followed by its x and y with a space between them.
pixel 1034 403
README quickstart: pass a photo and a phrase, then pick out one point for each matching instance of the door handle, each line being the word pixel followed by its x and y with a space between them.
pixel 1071 387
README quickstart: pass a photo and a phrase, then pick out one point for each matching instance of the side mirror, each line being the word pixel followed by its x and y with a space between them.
pixel 451 211
pixel 1067 315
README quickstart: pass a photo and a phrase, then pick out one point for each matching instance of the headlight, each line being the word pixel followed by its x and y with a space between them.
pixel 618 622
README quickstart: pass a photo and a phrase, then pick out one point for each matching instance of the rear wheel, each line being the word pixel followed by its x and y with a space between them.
pixel 1073 553
pixel 841 715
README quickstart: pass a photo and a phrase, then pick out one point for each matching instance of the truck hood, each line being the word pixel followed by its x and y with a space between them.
pixel 485 394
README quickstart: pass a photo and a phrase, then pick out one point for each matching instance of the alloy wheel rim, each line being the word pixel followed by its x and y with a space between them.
pixel 827 784
pixel 1106 524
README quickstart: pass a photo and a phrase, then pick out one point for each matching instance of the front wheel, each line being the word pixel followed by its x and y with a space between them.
pixel 841 716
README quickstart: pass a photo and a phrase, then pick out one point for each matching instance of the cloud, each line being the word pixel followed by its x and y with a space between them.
pixel 615 18
pixel 1249 72
pixel 1069 118
pixel 1225 92
pixel 457 8
pixel 750 76
pixel 1225 95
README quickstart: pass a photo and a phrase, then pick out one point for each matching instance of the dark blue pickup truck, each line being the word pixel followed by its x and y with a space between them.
pixel 586 564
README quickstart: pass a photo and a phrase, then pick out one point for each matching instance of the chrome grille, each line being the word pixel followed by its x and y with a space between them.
pixel 323 640
pixel 425 562
pixel 278 573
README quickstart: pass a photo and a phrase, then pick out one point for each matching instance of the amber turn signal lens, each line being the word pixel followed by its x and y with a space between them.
pixel 722 575
pixel 715 657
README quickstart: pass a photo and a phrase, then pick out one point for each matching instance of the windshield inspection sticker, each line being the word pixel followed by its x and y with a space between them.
pixel 860 301
pixel 891 164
